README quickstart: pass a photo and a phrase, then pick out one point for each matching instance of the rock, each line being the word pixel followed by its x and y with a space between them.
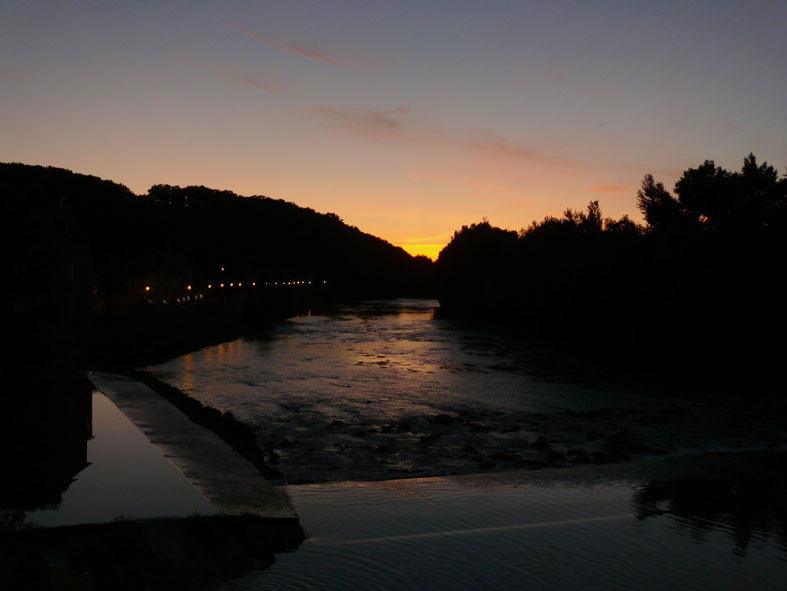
pixel 532 464
pixel 479 427
pixel 504 456
pixel 592 435
pixel 287 442
pixel 541 443
pixel 486 464
pixel 469 449
pixel 555 456
pixel 441 419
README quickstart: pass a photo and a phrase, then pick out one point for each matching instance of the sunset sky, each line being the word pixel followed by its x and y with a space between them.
pixel 407 119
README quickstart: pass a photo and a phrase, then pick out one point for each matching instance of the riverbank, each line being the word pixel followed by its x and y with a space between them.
pixel 153 333
pixel 190 553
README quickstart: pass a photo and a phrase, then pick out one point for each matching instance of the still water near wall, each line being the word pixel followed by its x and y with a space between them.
pixel 126 478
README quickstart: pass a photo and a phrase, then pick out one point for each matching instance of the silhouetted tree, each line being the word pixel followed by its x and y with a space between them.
pixel 699 286
pixel 662 212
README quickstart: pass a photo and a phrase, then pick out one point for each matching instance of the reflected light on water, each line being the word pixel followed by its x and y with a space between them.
pixel 127 477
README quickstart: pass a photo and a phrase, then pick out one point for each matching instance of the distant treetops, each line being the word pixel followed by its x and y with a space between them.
pixel 711 199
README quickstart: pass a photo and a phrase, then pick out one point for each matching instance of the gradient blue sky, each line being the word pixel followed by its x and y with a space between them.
pixel 407 119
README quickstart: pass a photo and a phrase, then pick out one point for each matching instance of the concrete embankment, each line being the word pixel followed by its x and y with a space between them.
pixel 230 482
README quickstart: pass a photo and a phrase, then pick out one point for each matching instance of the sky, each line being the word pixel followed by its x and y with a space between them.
pixel 406 119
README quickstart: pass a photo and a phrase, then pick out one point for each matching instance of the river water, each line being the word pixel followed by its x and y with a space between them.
pixel 384 390
pixel 349 403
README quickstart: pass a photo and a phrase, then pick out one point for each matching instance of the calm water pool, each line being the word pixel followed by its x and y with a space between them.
pixel 127 477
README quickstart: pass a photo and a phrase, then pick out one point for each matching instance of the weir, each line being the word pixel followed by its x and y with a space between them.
pixel 230 482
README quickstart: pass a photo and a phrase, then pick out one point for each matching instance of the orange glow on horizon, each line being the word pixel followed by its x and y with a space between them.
pixel 428 250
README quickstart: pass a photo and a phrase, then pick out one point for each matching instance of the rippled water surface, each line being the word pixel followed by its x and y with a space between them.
pixel 382 390
pixel 387 389
pixel 447 533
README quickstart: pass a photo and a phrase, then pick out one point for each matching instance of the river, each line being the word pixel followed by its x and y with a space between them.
pixel 415 450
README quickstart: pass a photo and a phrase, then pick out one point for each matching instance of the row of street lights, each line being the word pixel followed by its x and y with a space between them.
pixel 253 284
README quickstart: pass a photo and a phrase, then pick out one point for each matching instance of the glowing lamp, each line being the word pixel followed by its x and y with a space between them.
pixel 147 288
pixel 210 286
pixel 188 287
pixel 222 285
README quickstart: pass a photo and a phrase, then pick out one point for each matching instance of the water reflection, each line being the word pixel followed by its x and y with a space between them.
pixel 500 532
pixel 44 446
pixel 128 477
pixel 117 474
pixel 748 510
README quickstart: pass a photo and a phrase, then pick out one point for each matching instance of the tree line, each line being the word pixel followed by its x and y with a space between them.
pixel 75 246
pixel 698 289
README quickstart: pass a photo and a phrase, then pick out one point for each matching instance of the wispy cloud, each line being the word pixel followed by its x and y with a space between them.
pixel 396 124
pixel 318 54
pixel 362 121
pixel 500 146
pixel 240 77
pixel 607 189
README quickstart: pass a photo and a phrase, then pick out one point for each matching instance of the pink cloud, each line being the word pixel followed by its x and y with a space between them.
pixel 241 77
pixel 502 147
pixel 363 121
pixel 320 55
pixel 391 124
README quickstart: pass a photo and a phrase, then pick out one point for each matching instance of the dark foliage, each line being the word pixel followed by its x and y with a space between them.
pixel 697 292
pixel 76 247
